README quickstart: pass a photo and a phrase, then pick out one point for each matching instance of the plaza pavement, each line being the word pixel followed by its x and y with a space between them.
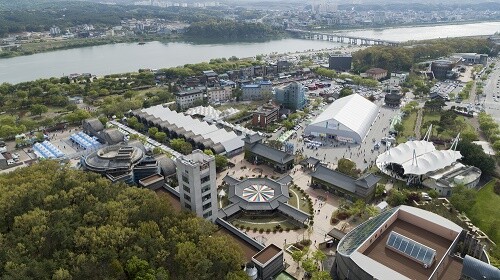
pixel 362 154
pixel 323 202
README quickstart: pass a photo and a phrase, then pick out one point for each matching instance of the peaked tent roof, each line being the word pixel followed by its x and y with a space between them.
pixel 342 110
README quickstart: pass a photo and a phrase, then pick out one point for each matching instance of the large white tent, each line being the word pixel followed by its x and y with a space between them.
pixel 348 118
pixel 418 157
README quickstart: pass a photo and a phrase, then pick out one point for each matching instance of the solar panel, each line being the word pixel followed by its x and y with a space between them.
pixel 411 249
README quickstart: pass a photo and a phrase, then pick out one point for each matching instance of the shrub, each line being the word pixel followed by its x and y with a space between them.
pixel 287 229
pixel 255 229
pixel 236 225
pixel 496 187
pixel 242 227
pixel 274 230
pixel 248 228
pixel 311 222
pixel 306 242
pixel 268 230
pixel 280 230
pixel 341 215
pixel 261 230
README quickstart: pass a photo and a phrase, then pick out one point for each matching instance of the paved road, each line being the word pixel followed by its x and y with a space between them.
pixel 492 88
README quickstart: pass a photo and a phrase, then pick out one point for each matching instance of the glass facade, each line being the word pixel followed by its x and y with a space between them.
pixel 353 239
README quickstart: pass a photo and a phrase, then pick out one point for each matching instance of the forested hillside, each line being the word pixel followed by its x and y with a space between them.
pixel 58 223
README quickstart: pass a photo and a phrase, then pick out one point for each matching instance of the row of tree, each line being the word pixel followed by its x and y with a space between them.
pixel 402 58
pixel 229 29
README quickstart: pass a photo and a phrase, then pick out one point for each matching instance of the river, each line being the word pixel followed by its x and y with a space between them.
pixel 128 57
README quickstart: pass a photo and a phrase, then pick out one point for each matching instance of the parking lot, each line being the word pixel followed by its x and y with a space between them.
pixel 491 100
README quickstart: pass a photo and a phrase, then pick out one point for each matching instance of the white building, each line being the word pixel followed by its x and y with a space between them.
pixel 343 121
pixel 186 99
pixel 197 184
pixel 219 94
pixel 257 91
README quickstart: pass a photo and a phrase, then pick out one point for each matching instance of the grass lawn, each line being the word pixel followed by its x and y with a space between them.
pixel 264 222
pixel 485 212
pixel 298 200
pixel 408 127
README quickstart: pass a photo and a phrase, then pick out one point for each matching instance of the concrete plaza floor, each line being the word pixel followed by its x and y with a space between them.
pixel 324 205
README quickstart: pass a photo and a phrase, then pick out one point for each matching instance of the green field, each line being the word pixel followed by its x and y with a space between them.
pixel 408 127
pixel 264 222
pixel 486 210
pixel 298 200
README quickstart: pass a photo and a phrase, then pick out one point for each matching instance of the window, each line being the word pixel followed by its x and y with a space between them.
pixel 206 197
pixel 185 179
pixel 186 189
pixel 208 214
pixel 205 179
pixel 207 206
pixel 187 206
pixel 187 197
pixel 204 189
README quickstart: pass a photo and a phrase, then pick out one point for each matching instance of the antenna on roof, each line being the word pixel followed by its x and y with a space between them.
pixel 455 142
pixel 428 134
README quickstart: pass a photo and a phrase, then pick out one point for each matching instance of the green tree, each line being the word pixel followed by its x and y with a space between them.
pixel 309 266
pixel 319 256
pixel 139 269
pixel 160 136
pixel 38 109
pixel 463 198
pixel 396 197
pixel 221 162
pixel 152 131
pixel 346 91
pixel 297 256
pixel 180 145
pixel 474 155
pixel 347 167
pixel 321 275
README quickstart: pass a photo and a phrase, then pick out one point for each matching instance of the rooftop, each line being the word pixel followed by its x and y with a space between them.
pixel 406 266
pixel 248 250
pixel 267 254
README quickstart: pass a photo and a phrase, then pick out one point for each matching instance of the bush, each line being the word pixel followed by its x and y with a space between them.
pixel 261 230
pixel 496 187
pixel 255 229
pixel 341 215
pixel 268 230
pixel 248 228
pixel 280 230
pixel 236 225
pixel 306 242
pixel 287 229
pixel 242 227
pixel 311 222
pixel 274 230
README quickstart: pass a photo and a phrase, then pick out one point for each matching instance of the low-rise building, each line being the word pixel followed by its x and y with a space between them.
pixel 265 115
pixel 257 91
pixel 219 94
pixel 344 185
pixel 376 73
pixel 188 98
pixel 257 153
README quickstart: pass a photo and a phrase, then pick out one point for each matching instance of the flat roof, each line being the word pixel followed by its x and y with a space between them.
pixel 403 265
pixel 151 179
pixel 267 254
pixel 248 250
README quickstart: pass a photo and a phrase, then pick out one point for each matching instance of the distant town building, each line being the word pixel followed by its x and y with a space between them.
pixel 257 91
pixel 188 98
pixel 340 62
pixel 291 96
pixel 55 31
pixel 197 184
pixel 210 78
pixel 219 94
pixel 376 73
pixel 265 115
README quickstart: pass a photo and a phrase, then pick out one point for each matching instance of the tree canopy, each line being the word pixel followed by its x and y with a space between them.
pixel 59 223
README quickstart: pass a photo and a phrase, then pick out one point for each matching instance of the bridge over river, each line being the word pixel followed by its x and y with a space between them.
pixel 341 38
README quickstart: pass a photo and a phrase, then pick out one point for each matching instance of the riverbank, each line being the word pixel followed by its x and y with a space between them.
pixel 66 44
pixel 409 25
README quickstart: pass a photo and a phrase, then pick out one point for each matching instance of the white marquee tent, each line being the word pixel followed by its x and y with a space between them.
pixel 348 118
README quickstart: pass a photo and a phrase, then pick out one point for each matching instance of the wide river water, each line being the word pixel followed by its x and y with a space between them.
pixel 128 57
